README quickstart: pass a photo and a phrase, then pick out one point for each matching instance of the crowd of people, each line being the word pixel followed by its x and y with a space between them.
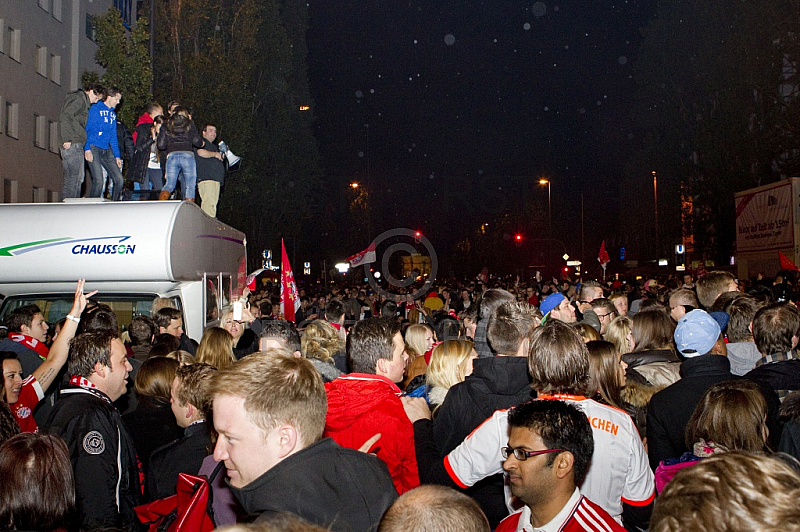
pixel 163 150
pixel 486 404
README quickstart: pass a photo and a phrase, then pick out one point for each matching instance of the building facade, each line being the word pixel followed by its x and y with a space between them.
pixel 45 46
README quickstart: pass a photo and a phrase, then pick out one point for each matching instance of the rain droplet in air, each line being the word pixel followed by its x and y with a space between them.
pixel 359 94
pixel 539 9
pixel 449 39
pixel 526 26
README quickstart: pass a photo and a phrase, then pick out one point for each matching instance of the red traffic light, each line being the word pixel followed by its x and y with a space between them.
pixel 417 234
pixel 518 237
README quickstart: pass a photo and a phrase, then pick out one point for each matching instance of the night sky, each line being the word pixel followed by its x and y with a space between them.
pixel 464 99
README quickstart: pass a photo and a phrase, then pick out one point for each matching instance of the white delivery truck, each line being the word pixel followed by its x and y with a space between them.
pixel 767 222
pixel 131 252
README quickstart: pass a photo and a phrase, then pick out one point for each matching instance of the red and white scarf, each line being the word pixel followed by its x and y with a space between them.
pixel 31 343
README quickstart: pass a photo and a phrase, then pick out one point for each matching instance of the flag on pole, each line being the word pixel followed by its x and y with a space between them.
pixel 787 264
pixel 603 258
pixel 290 302
pixel 363 257
pixel 251 279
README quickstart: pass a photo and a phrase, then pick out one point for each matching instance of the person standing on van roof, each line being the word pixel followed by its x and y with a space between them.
pixel 210 171
pixel 101 150
pixel 72 132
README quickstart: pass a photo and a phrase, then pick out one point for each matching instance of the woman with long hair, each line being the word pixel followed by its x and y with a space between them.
pixel 324 347
pixel 152 424
pixel 653 361
pixel 451 363
pixel 419 339
pixel 176 139
pixel 731 416
pixel 216 348
pixel 245 341
pixel 619 333
pixel 38 487
pixel 606 373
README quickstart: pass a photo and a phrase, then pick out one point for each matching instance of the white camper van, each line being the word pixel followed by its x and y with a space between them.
pixel 131 252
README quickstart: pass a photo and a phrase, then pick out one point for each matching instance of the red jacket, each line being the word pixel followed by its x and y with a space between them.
pixel 361 405
pixel 144 119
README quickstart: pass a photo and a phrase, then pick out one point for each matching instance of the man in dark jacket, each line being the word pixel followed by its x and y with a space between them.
pixel 496 383
pixel 107 476
pixel 698 338
pixel 72 132
pixel 775 331
pixel 270 414
pixel 190 396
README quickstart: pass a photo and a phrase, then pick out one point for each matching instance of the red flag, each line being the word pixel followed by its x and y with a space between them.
pixel 602 256
pixel 787 264
pixel 363 257
pixel 288 287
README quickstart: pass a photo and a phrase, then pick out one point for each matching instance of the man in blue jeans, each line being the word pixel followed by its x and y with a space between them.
pixel 101 149
pixel 72 130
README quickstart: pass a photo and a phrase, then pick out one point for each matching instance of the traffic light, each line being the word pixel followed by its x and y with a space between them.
pixel 417 234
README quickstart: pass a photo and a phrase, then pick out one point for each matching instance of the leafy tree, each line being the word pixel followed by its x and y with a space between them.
pixel 241 64
pixel 126 60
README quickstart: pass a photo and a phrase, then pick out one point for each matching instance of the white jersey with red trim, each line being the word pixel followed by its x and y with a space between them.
pixel 619 471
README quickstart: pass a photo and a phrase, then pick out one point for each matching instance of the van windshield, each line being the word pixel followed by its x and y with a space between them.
pixel 56 306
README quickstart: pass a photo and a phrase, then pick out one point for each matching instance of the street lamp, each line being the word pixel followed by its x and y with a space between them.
pixel 655 204
pixel 354 184
pixel 544 181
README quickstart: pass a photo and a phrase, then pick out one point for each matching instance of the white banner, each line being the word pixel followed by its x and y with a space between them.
pixel 764 219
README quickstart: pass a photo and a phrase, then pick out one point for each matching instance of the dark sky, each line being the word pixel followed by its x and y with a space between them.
pixel 464 95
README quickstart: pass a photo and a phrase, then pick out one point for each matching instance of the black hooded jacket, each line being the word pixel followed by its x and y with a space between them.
pixel 330 486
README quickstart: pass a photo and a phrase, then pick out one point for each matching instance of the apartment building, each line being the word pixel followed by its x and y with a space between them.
pixel 45 45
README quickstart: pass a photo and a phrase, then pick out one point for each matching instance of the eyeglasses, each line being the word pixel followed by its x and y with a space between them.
pixel 522 454
pixel 604 315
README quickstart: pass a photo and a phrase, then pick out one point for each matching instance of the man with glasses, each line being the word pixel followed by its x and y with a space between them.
pixel 550 446
pixel 619 478
pixel 606 311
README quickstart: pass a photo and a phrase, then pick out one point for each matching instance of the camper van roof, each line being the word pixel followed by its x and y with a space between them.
pixel 147 241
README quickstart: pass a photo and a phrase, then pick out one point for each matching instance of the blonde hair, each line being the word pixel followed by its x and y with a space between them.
pixel 415 337
pixel 216 348
pixel 449 363
pixel 738 491
pixel 184 358
pixel 587 332
pixel 617 333
pixel 321 341
pixel 276 390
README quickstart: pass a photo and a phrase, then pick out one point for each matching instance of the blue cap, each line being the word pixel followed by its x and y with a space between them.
pixel 551 302
pixel 696 333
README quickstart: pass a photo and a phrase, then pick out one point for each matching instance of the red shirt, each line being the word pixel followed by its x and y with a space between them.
pixel 29 397
pixel 584 516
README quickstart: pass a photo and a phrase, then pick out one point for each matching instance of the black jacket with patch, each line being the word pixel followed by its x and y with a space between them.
pixel 107 474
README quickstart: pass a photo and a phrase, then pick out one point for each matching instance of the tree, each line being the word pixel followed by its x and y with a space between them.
pixel 241 64
pixel 126 59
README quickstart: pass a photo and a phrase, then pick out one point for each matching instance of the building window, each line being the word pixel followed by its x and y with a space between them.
pixel 12 120
pixel 57 10
pixel 45 4
pixel 14 38
pixel 53 195
pixel 41 60
pixel 91 28
pixel 41 133
pixel 55 69
pixel 54 146
pixel 10 188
